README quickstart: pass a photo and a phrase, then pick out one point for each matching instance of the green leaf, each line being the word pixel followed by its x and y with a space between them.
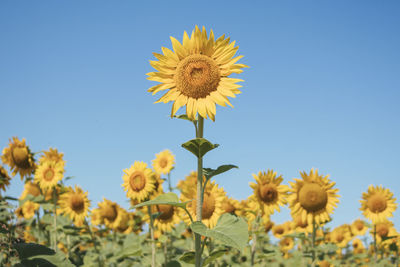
pixel 188 257
pixel 208 172
pixel 165 199
pixel 56 260
pixel 26 250
pixel 230 230
pixel 173 264
pixel 199 146
pixel 214 255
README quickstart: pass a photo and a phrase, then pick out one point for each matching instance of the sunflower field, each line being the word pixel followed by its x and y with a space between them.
pixel 193 222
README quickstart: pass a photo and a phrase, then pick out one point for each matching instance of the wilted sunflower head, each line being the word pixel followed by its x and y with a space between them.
pixel 48 174
pixel 269 192
pixel 313 197
pixel 4 179
pixel 164 162
pixel 75 204
pixel 196 73
pixel 19 157
pixel 378 204
pixel 139 181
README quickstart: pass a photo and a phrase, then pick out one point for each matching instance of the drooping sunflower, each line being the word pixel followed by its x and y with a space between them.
pixel 75 204
pixel 4 179
pixel 48 174
pixel 164 162
pixel 139 181
pixel 126 224
pixel 279 230
pixel 168 218
pixel 313 197
pixel 19 157
pixel 269 192
pixel 111 213
pixel 358 227
pixel 29 208
pixel 30 188
pixel 196 73
pixel 212 205
pixel 53 155
pixel 378 204
pixel 230 205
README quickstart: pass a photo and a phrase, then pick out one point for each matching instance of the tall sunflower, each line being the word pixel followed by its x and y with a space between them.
pixel 52 155
pixel 111 213
pixel 168 218
pixel 378 204
pixel 139 181
pixel 313 197
pixel 196 73
pixel 4 179
pixel 269 192
pixel 164 162
pixel 19 157
pixel 75 204
pixel 48 174
pixel 212 205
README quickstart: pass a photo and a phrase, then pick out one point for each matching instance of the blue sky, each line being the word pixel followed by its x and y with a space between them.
pixel 322 91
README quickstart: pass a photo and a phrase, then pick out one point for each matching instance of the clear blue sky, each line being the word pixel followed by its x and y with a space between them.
pixel 323 90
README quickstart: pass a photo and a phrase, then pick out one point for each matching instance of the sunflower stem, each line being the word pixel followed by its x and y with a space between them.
pixel 254 244
pixel 199 197
pixel 55 218
pixel 313 242
pixel 169 183
pixel 375 246
pixel 153 243
pixel 38 225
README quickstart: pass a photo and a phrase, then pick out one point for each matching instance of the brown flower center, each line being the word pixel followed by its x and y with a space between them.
pixel 278 230
pixel 382 229
pixel 268 193
pixel 268 226
pixel 228 207
pixel 20 156
pixel 313 197
pixel 208 206
pixel 376 203
pixel 167 211
pixel 137 181
pixel 163 162
pixel 48 174
pixel 77 203
pixel 197 76
pixel 339 237
pixel 109 212
pixel 359 225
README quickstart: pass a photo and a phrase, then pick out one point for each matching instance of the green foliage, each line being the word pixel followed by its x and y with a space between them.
pixel 230 230
pixel 199 146
pixel 209 173
pixel 35 255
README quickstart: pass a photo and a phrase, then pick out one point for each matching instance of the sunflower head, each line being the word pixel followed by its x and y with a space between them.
pixel 188 186
pixel 75 204
pixel 4 179
pixel 48 174
pixel 378 204
pixel 29 208
pixel 269 192
pixel 286 244
pixel 30 188
pixel 164 162
pixel 196 73
pixel 341 235
pixel 230 205
pixel 19 157
pixel 139 181
pixel 313 197
pixel 358 246
pixel 52 155
pixel 358 227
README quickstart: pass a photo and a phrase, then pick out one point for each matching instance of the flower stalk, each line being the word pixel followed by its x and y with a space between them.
pixel 199 197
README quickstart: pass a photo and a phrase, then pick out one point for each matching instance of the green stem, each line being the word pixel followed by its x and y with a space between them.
pixel 94 243
pixel 153 243
pixel 55 218
pixel 313 242
pixel 38 225
pixel 375 245
pixel 169 183
pixel 254 244
pixel 199 197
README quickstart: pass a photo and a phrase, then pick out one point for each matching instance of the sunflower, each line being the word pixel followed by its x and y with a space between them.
pixel 378 204
pixel 313 197
pixel 383 230
pixel 48 174
pixel 111 213
pixel 95 217
pixel 139 181
pixel 30 188
pixel 196 73
pixel 4 179
pixel 230 205
pixel 164 162
pixel 75 204
pixel 212 205
pixel 302 226
pixel 341 235
pixel 358 227
pixel 286 244
pixel 358 246
pixel 279 230
pixel 168 218
pixel 126 223
pixel 29 208
pixel 19 157
pixel 269 192
pixel 53 155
